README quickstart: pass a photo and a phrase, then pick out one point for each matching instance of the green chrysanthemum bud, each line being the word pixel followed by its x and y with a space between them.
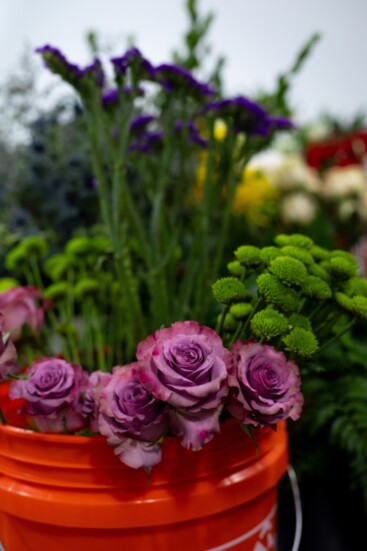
pixel 228 290
pixel 267 254
pixel 236 269
pixel 359 306
pixel 297 320
pixel 241 310
pixel 79 246
pixel 344 301
pixel 248 255
pixel 289 271
pixel 300 254
pixel 57 266
pixel 86 287
pixel 57 291
pixel 356 286
pixel 315 287
pixel 7 283
pixel 276 293
pixel 319 253
pixel 301 341
pixel 16 259
pixel 338 253
pixel 35 245
pixel 340 268
pixel 269 323
pixel 100 244
pixel 230 323
pixel 319 271
pixel 295 240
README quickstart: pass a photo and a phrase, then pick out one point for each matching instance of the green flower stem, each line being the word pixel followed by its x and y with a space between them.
pixel 242 329
pixel 222 318
pixel 201 248
pixel 233 176
pixel 98 337
pixel 336 337
pixel 157 225
pixel 117 228
pixel 88 341
pixel 34 264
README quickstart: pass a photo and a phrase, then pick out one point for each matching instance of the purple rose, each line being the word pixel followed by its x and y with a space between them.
pixel 8 354
pixel 20 306
pixel 90 402
pixel 53 390
pixel 186 366
pixel 264 387
pixel 131 418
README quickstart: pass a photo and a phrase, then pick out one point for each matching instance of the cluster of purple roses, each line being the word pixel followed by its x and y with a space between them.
pixel 182 381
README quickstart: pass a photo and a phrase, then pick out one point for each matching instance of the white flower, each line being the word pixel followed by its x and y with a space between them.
pixel 287 171
pixel 343 181
pixel 298 208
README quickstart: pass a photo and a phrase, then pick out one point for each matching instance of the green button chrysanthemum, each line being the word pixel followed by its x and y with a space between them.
pixel 228 290
pixel 289 271
pixel 269 323
pixel 301 341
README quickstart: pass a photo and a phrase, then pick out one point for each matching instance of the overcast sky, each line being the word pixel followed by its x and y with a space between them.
pixel 259 39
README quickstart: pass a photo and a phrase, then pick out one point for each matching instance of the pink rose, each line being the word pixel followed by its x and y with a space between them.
pixel 53 393
pixel 131 418
pixel 20 306
pixel 186 366
pixel 264 387
pixel 8 354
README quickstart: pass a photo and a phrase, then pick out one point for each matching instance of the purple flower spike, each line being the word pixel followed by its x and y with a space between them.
pixel 133 57
pixel 193 133
pixel 247 116
pixel 70 72
pixel 139 124
pixel 110 97
pixel 176 78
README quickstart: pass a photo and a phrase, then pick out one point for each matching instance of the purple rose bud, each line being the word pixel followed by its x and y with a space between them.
pixel 8 354
pixel 186 366
pixel 264 387
pixel 53 391
pixel 131 418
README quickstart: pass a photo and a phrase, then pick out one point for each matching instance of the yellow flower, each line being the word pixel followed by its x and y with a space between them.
pixel 255 197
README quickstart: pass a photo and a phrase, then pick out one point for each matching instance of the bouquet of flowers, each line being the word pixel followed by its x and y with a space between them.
pixel 120 334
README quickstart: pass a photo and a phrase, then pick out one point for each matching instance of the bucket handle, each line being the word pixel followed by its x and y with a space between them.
pixel 297 507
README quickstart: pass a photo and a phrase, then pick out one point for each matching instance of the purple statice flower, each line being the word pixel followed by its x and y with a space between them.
pixel 176 78
pixel 147 142
pixel 133 58
pixel 95 69
pixel 264 387
pixel 8 354
pixel 52 390
pixel 186 365
pixel 192 131
pixel 247 116
pixel 131 418
pixel 281 123
pixel 110 97
pixel 56 61
pixel 139 123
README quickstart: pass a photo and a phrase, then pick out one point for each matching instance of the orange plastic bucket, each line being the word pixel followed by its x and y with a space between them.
pixel 62 492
